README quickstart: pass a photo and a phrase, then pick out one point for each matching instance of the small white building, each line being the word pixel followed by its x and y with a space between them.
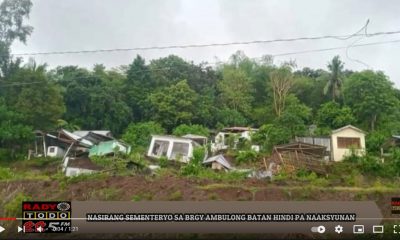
pixel 174 148
pixel 340 143
pixel 221 139
pixel 77 166
pixel 344 139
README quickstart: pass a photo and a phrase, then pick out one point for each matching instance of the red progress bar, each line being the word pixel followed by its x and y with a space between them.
pixel 8 219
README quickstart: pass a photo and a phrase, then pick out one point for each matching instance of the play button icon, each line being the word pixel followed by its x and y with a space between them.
pixel 20 229
pixel 2 229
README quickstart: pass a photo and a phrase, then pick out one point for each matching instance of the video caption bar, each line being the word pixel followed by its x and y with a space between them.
pixel 223 216
pixel 200 217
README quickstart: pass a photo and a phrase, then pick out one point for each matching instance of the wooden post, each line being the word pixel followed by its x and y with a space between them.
pixel 44 146
pixel 66 154
pixel 265 164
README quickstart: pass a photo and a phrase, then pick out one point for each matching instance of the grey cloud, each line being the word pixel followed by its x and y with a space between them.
pixel 101 24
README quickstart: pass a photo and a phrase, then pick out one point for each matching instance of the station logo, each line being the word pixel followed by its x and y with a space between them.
pixel 48 217
pixel 395 203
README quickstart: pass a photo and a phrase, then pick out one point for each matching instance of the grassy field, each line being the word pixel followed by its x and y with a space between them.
pixel 42 179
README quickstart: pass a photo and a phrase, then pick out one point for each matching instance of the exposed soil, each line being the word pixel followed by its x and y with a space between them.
pixel 178 188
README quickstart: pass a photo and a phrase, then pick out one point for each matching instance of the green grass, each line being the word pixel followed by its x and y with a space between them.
pixel 175 196
pixel 142 196
pixel 87 177
pixel 105 194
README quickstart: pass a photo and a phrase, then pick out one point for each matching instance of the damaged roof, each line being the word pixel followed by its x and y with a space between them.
pixel 220 159
pixel 302 147
pixel 83 133
pixel 239 129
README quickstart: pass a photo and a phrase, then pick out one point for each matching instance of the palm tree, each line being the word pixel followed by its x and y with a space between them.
pixel 334 83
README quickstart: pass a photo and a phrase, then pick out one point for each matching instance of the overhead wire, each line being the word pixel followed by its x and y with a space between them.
pixel 215 63
pixel 365 28
pixel 338 37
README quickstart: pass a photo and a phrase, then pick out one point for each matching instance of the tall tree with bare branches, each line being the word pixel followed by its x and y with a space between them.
pixel 281 81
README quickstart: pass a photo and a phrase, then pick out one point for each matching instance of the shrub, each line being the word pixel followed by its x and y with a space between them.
pixel 184 129
pixel 246 156
pixel 199 154
pixel 191 169
pixel 13 208
pixel 163 162
pixel 175 196
pixel 138 135
pixel 374 141
pixel 6 174
pixel 305 175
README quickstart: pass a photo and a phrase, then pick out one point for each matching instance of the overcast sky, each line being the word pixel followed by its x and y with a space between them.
pixel 64 25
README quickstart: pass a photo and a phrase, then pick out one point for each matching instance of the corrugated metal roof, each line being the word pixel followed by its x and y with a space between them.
pixel 77 138
pixel 220 159
pixel 191 136
pixel 83 133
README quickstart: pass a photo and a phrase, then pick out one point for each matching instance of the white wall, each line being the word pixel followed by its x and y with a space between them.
pixel 170 146
pixel 57 151
pixel 339 153
pixel 71 171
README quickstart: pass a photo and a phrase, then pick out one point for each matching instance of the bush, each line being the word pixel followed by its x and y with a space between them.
pixel 246 156
pixel 305 175
pixel 13 208
pixel 6 174
pixel 191 169
pixel 199 154
pixel 184 129
pixel 270 135
pixel 163 162
pixel 175 196
pixel 374 141
pixel 138 135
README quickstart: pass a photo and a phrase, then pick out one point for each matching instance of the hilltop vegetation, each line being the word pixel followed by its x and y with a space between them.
pixel 172 95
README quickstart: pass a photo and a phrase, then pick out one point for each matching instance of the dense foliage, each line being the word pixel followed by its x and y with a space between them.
pixel 170 93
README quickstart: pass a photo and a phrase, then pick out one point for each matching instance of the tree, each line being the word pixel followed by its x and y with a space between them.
pixel 12 16
pixel 14 133
pixel 139 84
pixel 184 129
pixel 270 135
pixel 226 117
pixel 371 96
pixel 332 116
pixel 41 103
pixel 94 100
pixel 334 83
pixel 138 135
pixel 295 117
pixel 281 81
pixel 235 90
pixel 173 105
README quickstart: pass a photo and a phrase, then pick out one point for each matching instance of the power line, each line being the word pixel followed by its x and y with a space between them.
pixel 334 48
pixel 337 37
pixel 215 63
